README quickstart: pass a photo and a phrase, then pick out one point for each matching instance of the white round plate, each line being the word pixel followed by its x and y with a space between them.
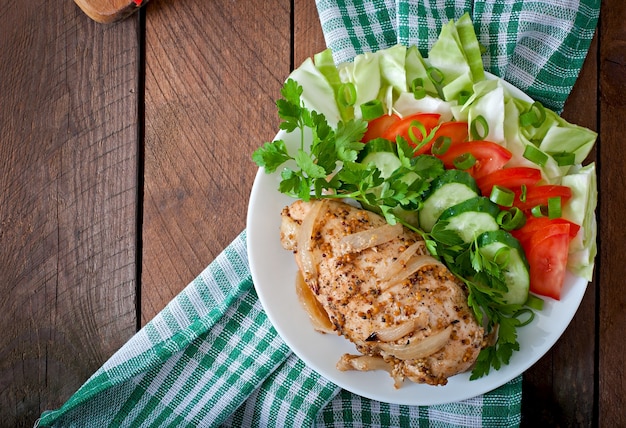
pixel 274 272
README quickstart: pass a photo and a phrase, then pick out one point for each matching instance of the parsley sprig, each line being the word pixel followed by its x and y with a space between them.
pixel 328 167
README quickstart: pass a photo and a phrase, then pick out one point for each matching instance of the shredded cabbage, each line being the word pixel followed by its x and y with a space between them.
pixel 454 67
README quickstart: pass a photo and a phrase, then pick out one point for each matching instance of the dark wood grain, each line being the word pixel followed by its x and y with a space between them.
pixel 612 272
pixel 559 389
pixel 123 169
pixel 308 38
pixel 68 121
pixel 213 71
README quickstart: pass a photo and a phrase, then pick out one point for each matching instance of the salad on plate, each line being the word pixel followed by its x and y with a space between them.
pixel 493 182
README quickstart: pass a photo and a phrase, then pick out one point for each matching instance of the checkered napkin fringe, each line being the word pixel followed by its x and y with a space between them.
pixel 212 358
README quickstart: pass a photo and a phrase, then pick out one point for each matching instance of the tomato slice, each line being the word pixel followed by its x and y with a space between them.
pixel 534 224
pixel 401 128
pixel 377 127
pixel 456 131
pixel 511 178
pixel 539 195
pixel 489 156
pixel 547 258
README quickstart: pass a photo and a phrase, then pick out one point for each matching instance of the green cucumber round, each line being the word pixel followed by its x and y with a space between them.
pixel 449 189
pixel 516 274
pixel 382 153
pixel 471 218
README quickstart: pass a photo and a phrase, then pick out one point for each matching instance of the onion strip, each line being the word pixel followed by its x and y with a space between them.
pixel 415 348
pixel 362 363
pixel 400 262
pixel 312 306
pixel 359 241
pixel 411 267
pixel 308 264
pixel 391 334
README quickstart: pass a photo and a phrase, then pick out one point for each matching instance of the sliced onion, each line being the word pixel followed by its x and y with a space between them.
pixel 399 264
pixel 363 363
pixel 412 266
pixel 360 241
pixel 366 363
pixel 418 348
pixel 308 264
pixel 312 306
pixel 391 334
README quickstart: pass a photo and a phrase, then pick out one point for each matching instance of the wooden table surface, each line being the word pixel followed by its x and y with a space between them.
pixel 125 169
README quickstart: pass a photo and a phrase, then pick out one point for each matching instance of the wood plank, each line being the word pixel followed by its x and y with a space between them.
pixel 213 73
pixel 612 269
pixel 559 389
pixel 308 38
pixel 68 91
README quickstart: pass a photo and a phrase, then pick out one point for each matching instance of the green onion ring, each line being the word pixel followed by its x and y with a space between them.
pixel 477 125
pixel 372 109
pixel 418 89
pixel 535 155
pixel 441 145
pixel 511 219
pixel 554 207
pixel 347 94
pixel 464 161
pixel 502 196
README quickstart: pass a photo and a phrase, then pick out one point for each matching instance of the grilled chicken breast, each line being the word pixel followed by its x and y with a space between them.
pixel 404 311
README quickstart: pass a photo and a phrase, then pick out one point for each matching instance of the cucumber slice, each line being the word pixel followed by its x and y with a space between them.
pixel 516 274
pixel 382 153
pixel 449 189
pixel 471 218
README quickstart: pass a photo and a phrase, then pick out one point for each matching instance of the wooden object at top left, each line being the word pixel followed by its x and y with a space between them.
pixel 107 11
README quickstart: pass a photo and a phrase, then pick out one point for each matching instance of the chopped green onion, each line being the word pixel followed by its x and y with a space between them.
pixel 464 161
pixel 534 302
pixel 535 115
pixel 554 207
pixel 347 94
pixel 537 211
pixel 479 128
pixel 522 196
pixel 441 145
pixel 511 219
pixel 418 89
pixel 463 97
pixel 564 158
pixel 524 311
pixel 502 196
pixel 435 75
pixel 372 109
pixel 502 257
pixel 416 124
pixel 535 155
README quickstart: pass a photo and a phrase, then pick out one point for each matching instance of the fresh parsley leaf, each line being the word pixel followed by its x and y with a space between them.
pixel 271 155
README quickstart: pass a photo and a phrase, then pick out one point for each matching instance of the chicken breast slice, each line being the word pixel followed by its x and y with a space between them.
pixel 370 298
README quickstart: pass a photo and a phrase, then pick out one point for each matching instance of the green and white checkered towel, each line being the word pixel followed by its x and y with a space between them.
pixel 212 358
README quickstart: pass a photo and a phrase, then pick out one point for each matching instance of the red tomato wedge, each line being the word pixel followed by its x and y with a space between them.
pixel 401 128
pixel 489 157
pixel 535 224
pixel 547 258
pixel 456 131
pixel 539 195
pixel 377 127
pixel 511 178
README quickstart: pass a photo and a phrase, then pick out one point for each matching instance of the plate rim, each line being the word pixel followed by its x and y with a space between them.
pixel 573 296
